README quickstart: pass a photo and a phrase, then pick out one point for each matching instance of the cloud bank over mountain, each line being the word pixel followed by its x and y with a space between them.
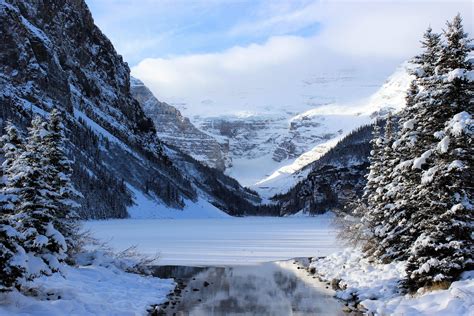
pixel 308 43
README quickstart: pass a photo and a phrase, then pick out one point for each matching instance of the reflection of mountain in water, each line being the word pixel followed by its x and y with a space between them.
pixel 267 289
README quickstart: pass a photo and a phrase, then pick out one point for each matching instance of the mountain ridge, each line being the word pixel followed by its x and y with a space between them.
pixel 175 129
pixel 54 56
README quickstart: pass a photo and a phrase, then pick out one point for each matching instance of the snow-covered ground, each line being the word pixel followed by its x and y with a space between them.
pixel 376 286
pixel 145 207
pixel 94 289
pixel 221 241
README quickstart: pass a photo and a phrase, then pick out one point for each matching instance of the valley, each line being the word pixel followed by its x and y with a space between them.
pixel 236 158
pixel 266 151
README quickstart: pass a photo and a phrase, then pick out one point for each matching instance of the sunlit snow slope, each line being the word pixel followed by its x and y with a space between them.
pixel 268 150
pixel 340 120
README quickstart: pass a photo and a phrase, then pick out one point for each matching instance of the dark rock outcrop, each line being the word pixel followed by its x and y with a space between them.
pixel 335 180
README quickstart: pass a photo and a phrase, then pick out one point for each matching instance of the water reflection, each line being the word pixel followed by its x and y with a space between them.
pixel 281 288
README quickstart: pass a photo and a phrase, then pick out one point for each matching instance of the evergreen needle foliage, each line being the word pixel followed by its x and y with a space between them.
pixel 38 224
pixel 418 197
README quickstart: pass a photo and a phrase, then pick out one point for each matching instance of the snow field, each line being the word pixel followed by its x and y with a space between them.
pixel 147 208
pixel 88 290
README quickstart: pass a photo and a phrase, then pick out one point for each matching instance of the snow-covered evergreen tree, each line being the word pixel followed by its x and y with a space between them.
pixel 372 218
pixel 408 149
pixel 458 45
pixel 12 254
pixel 389 159
pixel 34 210
pixel 427 61
pixel 444 221
pixel 397 209
pixel 384 199
pixel 58 176
pixel 11 147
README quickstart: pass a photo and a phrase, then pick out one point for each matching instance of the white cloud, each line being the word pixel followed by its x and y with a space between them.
pixel 386 28
pixel 360 43
pixel 280 20
pixel 286 72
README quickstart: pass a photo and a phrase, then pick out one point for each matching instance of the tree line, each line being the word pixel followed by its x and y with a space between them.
pixel 417 204
pixel 38 224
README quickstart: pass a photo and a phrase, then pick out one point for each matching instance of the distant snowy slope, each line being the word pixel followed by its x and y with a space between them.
pixel 337 121
pixel 268 132
pixel 146 207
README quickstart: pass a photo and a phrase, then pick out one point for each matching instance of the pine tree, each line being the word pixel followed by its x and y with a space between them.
pixel 11 147
pixel 389 158
pixel 399 183
pixel 444 220
pixel 372 218
pixel 457 48
pixel 12 254
pixel 410 149
pixel 426 62
pixel 384 200
pixel 444 247
pixel 58 176
pixel 33 210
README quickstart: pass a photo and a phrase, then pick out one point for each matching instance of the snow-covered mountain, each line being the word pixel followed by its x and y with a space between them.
pixel 54 56
pixel 344 119
pixel 175 129
pixel 333 181
pixel 267 149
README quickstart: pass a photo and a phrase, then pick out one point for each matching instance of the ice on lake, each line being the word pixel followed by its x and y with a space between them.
pixel 221 241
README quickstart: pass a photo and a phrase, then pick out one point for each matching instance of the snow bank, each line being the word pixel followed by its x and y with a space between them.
pixel 376 286
pixel 88 290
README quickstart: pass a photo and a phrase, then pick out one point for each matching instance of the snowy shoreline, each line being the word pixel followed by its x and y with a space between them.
pixel 97 289
pixel 373 288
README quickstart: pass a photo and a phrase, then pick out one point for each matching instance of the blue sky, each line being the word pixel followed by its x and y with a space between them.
pixel 224 56
pixel 162 28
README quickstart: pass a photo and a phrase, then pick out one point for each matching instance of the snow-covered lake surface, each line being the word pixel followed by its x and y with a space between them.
pixel 221 241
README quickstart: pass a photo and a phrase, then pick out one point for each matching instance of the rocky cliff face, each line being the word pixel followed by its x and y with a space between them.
pixel 333 181
pixel 261 144
pixel 174 129
pixel 53 56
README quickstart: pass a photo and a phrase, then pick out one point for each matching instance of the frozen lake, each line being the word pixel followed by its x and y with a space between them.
pixel 221 241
